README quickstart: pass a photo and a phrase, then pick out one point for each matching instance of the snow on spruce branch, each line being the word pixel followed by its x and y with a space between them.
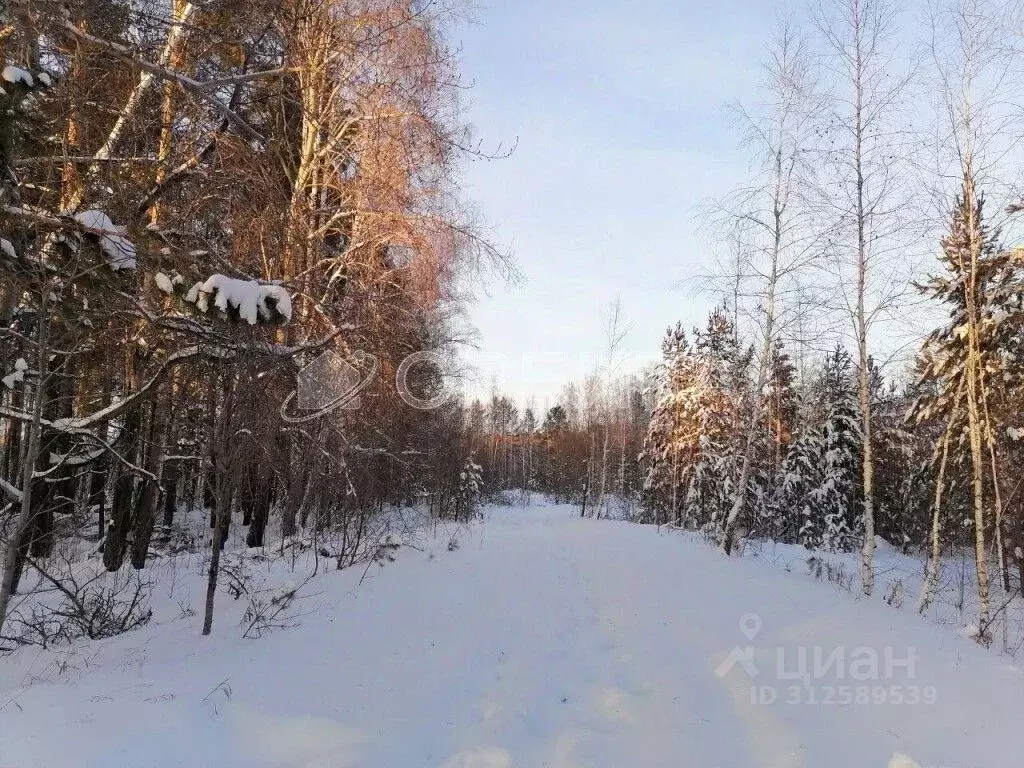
pixel 17 375
pixel 118 250
pixel 17 76
pixel 253 301
pixel 22 80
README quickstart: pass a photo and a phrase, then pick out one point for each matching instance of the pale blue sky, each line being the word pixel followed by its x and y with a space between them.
pixel 620 114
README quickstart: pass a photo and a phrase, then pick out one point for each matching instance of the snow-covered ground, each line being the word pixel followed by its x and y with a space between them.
pixel 899 578
pixel 541 640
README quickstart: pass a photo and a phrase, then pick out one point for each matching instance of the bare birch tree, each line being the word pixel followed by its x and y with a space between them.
pixel 606 383
pixel 860 193
pixel 773 245
pixel 974 133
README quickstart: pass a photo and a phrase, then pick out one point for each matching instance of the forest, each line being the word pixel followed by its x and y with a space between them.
pixel 860 380
pixel 199 199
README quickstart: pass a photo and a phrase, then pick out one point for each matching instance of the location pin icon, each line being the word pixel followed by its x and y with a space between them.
pixel 750 625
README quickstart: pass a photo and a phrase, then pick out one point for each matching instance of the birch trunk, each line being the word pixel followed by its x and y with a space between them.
pixel 765 362
pixel 973 375
pixel 934 567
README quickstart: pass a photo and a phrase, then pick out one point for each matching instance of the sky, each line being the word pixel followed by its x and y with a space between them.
pixel 619 116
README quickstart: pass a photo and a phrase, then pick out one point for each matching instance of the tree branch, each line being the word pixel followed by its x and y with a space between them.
pixel 197 88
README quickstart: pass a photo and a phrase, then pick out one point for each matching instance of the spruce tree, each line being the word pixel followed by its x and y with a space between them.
pixel 723 365
pixel 963 360
pixel 794 518
pixel 662 492
pixel 471 484
pixel 691 440
pixel 780 405
pixel 840 492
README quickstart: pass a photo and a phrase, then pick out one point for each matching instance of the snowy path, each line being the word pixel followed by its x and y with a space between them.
pixel 543 641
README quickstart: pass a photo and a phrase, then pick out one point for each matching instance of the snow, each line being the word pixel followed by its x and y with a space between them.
pixel 13 74
pixel 17 375
pixel 899 578
pixel 281 296
pixel 543 640
pixel 118 250
pixel 252 299
pixel 883 548
pixel 7 247
pixel 45 79
pixel 163 282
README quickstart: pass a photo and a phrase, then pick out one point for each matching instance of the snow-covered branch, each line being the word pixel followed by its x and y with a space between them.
pixel 80 425
pixel 10 491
